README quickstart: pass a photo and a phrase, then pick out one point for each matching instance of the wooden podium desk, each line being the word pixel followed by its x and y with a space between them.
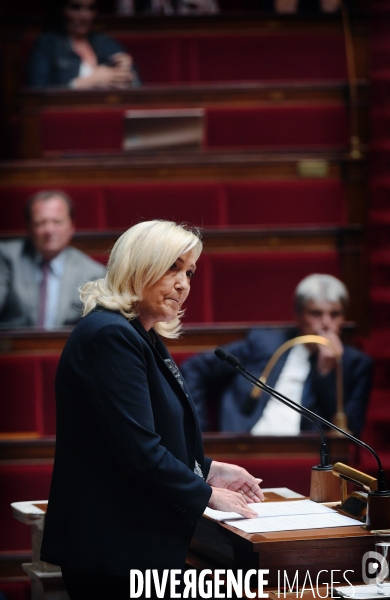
pixel 216 545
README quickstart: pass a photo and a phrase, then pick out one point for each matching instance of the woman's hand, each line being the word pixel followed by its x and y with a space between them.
pixel 123 60
pixel 222 499
pixel 237 479
pixel 105 77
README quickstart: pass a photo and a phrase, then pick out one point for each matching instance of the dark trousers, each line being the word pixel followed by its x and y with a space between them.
pixel 89 586
pixel 99 586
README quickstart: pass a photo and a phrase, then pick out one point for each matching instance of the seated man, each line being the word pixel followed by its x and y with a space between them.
pixel 40 276
pixel 306 374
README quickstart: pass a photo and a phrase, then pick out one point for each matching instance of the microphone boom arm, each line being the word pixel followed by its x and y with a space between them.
pixel 235 364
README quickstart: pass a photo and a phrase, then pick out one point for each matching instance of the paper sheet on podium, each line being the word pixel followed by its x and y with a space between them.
pixel 358 592
pixel 284 516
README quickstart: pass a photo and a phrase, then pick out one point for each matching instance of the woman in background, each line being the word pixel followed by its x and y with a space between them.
pixel 130 478
pixel 71 54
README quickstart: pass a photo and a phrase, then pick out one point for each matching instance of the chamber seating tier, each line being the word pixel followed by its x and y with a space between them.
pixel 211 205
pixel 274 188
pixel 63 132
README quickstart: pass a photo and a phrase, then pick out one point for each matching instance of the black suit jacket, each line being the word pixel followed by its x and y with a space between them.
pixel 214 382
pixel 124 494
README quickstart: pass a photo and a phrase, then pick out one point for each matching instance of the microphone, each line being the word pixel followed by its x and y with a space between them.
pixel 235 363
pixel 232 361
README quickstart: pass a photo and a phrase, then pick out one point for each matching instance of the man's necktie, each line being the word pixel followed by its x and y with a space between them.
pixel 43 293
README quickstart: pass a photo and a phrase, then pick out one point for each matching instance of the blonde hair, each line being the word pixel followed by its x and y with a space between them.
pixel 139 258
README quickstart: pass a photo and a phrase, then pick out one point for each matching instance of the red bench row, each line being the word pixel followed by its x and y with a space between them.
pixel 244 287
pixel 252 287
pixel 297 126
pixel 28 398
pixel 237 204
pixel 194 57
pixel 227 287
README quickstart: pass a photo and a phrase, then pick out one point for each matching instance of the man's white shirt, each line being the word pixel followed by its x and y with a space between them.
pixel 278 419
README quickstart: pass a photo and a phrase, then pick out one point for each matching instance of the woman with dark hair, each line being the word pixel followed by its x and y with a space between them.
pixel 70 54
pixel 130 479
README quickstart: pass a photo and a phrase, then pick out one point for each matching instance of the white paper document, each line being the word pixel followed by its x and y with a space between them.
pixel 359 592
pixel 284 516
pixel 272 509
pixel 283 492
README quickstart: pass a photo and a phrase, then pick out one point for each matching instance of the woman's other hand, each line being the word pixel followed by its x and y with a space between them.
pixel 123 60
pixel 236 479
pixel 226 500
pixel 115 77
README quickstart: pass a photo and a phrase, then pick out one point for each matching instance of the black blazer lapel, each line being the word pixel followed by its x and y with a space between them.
pixel 169 369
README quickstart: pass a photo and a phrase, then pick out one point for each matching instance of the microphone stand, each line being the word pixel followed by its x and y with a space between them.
pixel 378 506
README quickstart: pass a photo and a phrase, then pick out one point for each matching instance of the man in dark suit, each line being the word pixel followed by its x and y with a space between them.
pixel 40 276
pixel 306 374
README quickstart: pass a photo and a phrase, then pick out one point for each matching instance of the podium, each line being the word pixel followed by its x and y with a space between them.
pixel 46 579
pixel 217 545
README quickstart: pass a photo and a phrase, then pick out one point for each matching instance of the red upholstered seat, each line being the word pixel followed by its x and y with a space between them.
pixel 82 130
pixel 259 287
pixel 271 57
pixel 197 305
pixel 158 57
pixel 21 394
pixel 380 193
pixel 49 366
pixel 19 483
pixel 263 203
pixel 28 401
pixel 203 57
pixel 16 590
pixel 278 126
pixel 236 203
pixel 200 204
pixel 206 57
pixel 299 126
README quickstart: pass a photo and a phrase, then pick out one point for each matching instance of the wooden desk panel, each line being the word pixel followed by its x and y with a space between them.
pixel 196 338
pixel 205 94
pixel 221 446
pixel 217 445
pixel 209 166
pixel 223 546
